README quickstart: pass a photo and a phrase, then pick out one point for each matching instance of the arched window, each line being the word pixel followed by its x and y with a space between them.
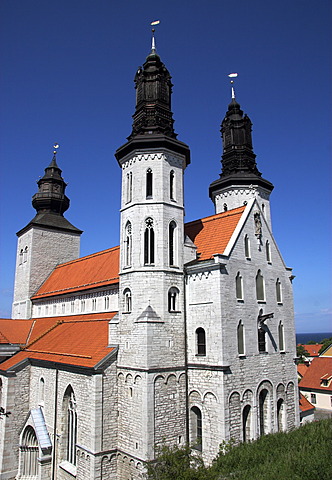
pixel 200 341
pixel 20 258
pixel 278 291
pixel 171 243
pixel 41 391
pixel 281 337
pixel 128 244
pixel 129 186
pixel 149 242
pixel 264 412
pixel 149 180
pixel 29 454
pixel 240 338
pixel 246 423
pixel 70 426
pixel 171 184
pixel 94 304
pixel 225 207
pixel 261 339
pixel 281 415
pixel 25 255
pixel 246 246
pixel 196 428
pixel 127 300
pixel 173 299
pixel 268 251
pixel 238 285
pixel 260 290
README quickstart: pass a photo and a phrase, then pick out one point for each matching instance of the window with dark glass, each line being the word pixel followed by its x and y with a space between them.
pixel 200 341
pixel 261 339
pixel 171 185
pixel 278 291
pixel 128 244
pixel 173 295
pixel 171 243
pixel 260 293
pixel 149 242
pixel 281 337
pixel 240 339
pixel 246 246
pixel 149 178
pixel 196 428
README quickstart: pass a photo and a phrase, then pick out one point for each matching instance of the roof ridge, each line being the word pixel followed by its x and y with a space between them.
pixel 209 218
pixel 59 353
pixel 96 254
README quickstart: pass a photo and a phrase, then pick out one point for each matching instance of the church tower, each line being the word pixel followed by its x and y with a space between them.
pixel 151 329
pixel 47 240
pixel 240 179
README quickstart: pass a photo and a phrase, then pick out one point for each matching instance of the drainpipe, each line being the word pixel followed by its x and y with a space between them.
pixel 55 424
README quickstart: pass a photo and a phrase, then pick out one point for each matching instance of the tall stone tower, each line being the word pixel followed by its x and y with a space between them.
pixel 151 331
pixel 46 241
pixel 240 179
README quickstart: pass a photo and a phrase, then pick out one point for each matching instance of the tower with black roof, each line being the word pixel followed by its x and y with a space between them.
pixel 151 330
pixel 240 179
pixel 46 241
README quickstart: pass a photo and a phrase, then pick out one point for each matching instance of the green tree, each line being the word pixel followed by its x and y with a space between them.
pixel 326 343
pixel 301 353
pixel 177 463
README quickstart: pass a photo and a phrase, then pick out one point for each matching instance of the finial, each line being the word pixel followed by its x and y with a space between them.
pixel 233 75
pixel 55 146
pixel 153 46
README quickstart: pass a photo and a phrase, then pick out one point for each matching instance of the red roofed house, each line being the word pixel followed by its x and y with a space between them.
pixel 182 333
pixel 316 384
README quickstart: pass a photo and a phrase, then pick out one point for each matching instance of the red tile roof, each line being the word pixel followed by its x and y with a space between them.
pixel 312 349
pixel 305 405
pixel 14 331
pixel 80 340
pixel 96 270
pixel 320 367
pixel 212 234
pixel 302 368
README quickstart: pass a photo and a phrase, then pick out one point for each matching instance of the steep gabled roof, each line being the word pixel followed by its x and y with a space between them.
pixel 320 368
pixel 302 368
pixel 79 340
pixel 15 332
pixel 96 270
pixel 212 234
pixel 305 405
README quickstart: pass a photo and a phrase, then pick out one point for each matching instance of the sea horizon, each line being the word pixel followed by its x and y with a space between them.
pixel 317 337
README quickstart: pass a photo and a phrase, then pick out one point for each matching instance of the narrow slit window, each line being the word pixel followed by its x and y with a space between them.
pixel 171 244
pixel 238 285
pixel 240 338
pixel 149 180
pixel 171 184
pixel 149 241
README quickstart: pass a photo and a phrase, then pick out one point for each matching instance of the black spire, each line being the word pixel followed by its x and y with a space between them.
pixel 238 158
pixel 153 119
pixel 50 201
pixel 51 196
pixel 153 98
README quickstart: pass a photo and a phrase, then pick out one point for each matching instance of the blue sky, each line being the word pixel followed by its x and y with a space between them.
pixel 67 77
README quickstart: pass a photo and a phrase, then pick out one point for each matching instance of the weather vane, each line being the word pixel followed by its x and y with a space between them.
pixel 233 75
pixel 155 22
pixel 55 146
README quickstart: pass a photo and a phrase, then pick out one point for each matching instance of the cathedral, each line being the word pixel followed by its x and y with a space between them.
pixel 183 333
